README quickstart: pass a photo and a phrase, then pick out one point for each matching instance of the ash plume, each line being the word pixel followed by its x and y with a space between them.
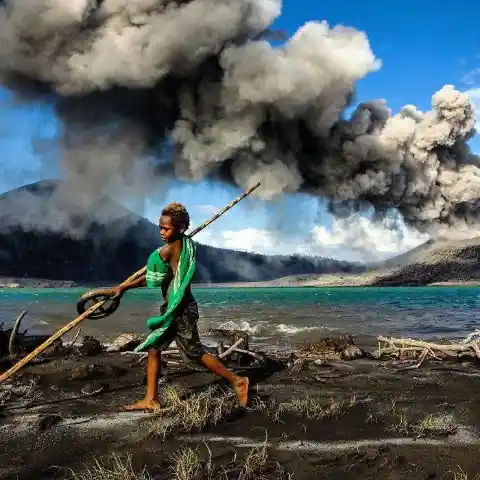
pixel 147 89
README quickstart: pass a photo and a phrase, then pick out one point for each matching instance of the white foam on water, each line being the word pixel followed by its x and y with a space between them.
pixel 291 329
pixel 270 328
pixel 244 326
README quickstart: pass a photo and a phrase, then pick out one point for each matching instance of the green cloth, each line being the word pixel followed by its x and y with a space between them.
pixel 157 270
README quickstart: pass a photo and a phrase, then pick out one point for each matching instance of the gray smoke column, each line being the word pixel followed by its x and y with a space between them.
pixel 146 89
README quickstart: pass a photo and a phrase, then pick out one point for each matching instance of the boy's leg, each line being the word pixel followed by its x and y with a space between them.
pixel 240 384
pixel 151 400
pixel 190 347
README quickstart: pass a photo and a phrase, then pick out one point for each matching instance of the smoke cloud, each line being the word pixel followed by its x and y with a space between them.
pixel 147 89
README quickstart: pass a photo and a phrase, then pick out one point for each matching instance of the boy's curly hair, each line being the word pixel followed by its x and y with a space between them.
pixel 178 213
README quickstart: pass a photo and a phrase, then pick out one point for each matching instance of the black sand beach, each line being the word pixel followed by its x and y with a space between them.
pixel 331 419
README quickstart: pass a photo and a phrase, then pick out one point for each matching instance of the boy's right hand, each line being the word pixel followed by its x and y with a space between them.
pixel 117 292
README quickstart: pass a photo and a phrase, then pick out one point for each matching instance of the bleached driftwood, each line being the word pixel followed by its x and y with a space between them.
pixel 72 343
pixel 229 351
pixel 429 350
pixel 13 341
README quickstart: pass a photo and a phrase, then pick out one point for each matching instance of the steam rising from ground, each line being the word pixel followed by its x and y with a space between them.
pixel 146 89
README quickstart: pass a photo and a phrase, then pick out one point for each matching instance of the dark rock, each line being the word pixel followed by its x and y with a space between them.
pixel 90 346
pixel 352 353
pixel 86 372
pixel 299 365
pixel 290 360
pixel 48 422
pixel 125 342
pixel 375 355
pixel 328 345
pixel 54 349
pixel 93 371
pixel 4 339
pixel 92 388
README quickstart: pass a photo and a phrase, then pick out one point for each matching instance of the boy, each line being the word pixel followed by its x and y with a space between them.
pixel 172 268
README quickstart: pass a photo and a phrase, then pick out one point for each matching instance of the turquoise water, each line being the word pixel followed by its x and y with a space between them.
pixel 272 315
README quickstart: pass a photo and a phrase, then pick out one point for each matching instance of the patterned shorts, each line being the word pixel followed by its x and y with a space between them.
pixel 184 331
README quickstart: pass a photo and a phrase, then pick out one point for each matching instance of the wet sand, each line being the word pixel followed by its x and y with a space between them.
pixel 331 419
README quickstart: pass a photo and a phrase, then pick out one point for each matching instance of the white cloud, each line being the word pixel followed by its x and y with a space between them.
pixel 472 77
pixel 474 94
pixel 371 241
pixel 206 209
pixel 353 238
pixel 252 240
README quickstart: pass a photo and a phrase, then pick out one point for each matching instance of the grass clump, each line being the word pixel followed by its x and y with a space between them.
pixel 435 426
pixel 317 409
pixel 193 414
pixel 118 469
pixel 430 426
pixel 459 474
pixel 187 464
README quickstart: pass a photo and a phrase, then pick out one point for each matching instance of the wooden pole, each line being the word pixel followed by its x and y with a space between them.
pixel 6 375
pixel 225 209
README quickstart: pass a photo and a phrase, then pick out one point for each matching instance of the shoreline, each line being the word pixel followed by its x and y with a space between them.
pixel 317 281
pixel 331 285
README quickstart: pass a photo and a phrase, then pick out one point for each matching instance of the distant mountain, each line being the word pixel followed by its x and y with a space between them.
pixel 434 262
pixel 50 231
pixel 404 258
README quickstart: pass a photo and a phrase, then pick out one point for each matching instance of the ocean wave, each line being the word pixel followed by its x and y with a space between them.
pixel 243 326
pixel 269 328
pixel 292 330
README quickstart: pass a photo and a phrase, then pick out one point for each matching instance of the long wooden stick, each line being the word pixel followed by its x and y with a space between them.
pixel 140 272
pixel 87 313
pixel 49 342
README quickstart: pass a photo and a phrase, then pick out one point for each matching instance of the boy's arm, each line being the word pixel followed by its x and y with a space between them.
pixel 164 253
pixel 121 289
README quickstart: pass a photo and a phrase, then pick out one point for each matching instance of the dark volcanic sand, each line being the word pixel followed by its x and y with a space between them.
pixel 376 436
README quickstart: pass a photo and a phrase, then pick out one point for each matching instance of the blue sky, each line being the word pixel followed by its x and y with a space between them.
pixel 422 46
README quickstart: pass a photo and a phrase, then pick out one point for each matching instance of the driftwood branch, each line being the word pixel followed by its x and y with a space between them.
pixel 429 350
pixel 12 343
pixel 471 336
pixel 72 343
pixel 229 351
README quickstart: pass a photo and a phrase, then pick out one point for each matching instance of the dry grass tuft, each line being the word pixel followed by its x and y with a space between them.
pixel 317 409
pixel 255 463
pixel 119 469
pixel 435 425
pixel 193 414
pixel 430 426
pixel 459 474
pixel 187 464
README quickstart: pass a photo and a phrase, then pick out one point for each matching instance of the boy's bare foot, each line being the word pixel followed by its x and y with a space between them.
pixel 144 404
pixel 241 389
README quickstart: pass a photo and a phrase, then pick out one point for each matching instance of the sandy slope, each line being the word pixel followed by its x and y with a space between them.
pixel 439 263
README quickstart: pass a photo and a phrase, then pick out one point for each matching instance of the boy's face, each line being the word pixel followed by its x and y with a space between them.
pixel 168 231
